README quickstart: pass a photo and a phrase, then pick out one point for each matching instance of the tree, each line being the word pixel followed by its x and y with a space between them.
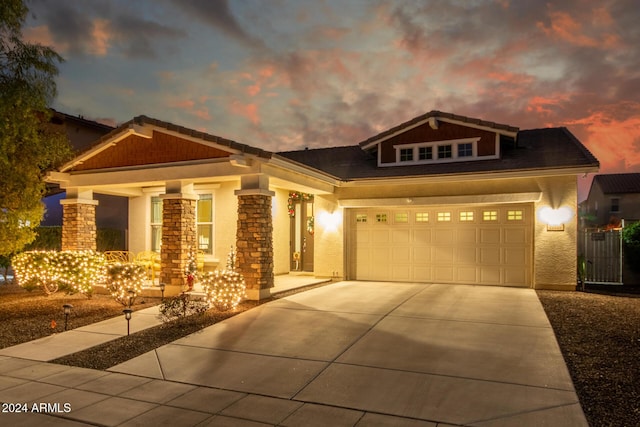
pixel 28 148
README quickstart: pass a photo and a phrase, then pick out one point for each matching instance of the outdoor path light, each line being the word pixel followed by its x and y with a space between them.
pixel 127 315
pixel 131 296
pixel 67 310
pixel 162 285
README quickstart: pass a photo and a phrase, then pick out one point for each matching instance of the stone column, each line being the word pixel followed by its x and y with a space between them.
pixel 178 238
pixel 79 224
pixel 254 236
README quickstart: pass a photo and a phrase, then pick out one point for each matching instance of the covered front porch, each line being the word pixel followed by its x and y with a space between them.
pixel 208 196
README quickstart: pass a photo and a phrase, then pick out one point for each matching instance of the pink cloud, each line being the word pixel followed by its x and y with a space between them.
pixel 42 35
pixel 613 140
pixel 185 104
pixel 101 34
pixel 546 105
pixel 565 27
pixel 248 111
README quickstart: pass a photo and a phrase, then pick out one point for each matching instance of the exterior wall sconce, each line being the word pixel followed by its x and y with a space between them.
pixel 330 221
pixel 127 315
pixel 66 308
pixel 555 219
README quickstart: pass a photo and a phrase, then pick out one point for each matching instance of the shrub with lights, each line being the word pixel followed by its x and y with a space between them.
pixel 73 271
pixel 125 281
pixel 225 289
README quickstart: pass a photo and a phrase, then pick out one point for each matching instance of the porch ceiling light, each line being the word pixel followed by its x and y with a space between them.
pixel 555 218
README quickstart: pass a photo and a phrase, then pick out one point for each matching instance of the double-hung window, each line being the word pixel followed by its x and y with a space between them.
pixel 204 220
pixel 156 223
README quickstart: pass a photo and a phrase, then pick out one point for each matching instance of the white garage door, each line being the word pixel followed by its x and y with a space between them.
pixel 489 245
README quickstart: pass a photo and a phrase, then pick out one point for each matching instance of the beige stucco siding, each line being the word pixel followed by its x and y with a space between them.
pixel 555 252
pixel 328 237
pixel 281 231
pixel 226 218
pixel 139 229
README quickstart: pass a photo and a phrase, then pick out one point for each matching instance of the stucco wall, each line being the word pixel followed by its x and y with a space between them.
pixel 139 230
pixel 281 231
pixel 226 220
pixel 328 238
pixel 555 252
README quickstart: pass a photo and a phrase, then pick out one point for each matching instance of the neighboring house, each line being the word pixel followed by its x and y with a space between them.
pixel 613 197
pixel 82 133
pixel 441 198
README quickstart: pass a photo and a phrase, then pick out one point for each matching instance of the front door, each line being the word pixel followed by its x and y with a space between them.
pixel 302 228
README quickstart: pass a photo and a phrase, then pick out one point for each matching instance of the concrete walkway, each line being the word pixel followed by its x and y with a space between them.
pixel 350 353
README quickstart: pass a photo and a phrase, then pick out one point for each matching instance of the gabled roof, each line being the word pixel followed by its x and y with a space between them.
pixel 618 183
pixel 537 149
pixel 141 124
pixel 142 120
pixel 435 114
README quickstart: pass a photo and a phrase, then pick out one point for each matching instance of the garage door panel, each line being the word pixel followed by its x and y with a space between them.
pixel 466 255
pixel 466 275
pixel 515 236
pixel 401 236
pixel 489 247
pixel 443 255
pixel 443 274
pixel 443 237
pixel 491 275
pixel 490 236
pixel 516 256
pixel 421 237
pixel 466 236
pixel 401 272
pixel 515 277
pixel 490 255
pixel 400 255
pixel 380 236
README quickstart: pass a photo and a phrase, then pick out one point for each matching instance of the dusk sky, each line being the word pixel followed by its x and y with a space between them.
pixel 284 75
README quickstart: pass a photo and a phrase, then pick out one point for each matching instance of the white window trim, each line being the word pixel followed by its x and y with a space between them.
pixel 435 144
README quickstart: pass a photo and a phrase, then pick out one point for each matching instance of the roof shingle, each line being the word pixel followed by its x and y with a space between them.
pixel 618 183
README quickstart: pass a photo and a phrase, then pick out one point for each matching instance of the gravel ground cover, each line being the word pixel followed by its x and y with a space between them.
pixel 26 316
pixel 598 333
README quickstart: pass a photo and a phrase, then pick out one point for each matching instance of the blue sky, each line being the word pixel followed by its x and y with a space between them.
pixel 288 74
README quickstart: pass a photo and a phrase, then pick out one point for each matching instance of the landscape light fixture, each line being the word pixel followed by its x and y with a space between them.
pixel 131 296
pixel 127 315
pixel 67 310
pixel 162 285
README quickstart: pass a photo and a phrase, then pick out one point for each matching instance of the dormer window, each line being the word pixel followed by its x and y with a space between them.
pixel 445 151
pixel 406 154
pixel 425 153
pixel 465 150
pixel 436 151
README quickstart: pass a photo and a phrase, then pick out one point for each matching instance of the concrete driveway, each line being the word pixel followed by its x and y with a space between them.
pixel 363 353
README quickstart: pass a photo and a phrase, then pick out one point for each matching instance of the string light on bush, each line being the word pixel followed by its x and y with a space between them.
pixel 225 289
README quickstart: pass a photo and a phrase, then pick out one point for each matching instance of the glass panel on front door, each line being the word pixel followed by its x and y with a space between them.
pixel 302 231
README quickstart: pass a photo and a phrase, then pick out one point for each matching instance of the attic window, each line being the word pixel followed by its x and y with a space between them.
pixel 444 152
pixel 436 151
pixel 406 154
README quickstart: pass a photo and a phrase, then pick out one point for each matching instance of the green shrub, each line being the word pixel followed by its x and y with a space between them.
pixel 225 289
pixel 73 271
pixel 125 281
pixel 631 241
pixel 181 306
